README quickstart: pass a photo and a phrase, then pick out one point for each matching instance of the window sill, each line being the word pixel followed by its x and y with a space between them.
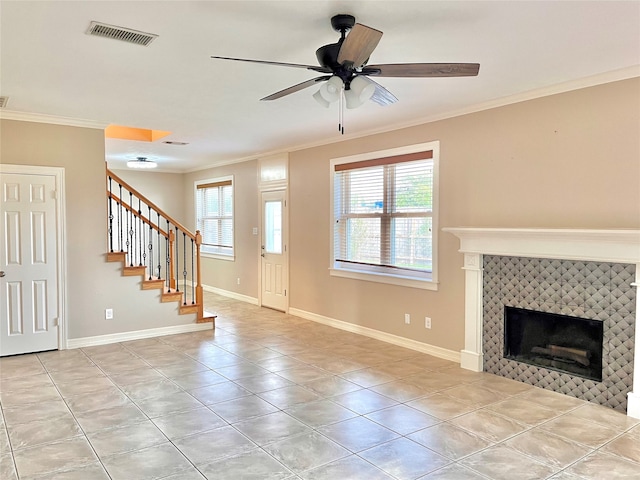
pixel 385 278
pixel 218 256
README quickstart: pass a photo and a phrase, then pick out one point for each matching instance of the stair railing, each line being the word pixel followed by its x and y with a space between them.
pixel 153 239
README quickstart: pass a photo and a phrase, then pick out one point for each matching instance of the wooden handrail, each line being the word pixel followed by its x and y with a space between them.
pixel 150 204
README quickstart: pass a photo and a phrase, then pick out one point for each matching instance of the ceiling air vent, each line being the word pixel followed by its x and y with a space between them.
pixel 169 142
pixel 3 101
pixel 120 33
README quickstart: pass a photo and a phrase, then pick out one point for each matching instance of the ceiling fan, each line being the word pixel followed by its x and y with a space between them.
pixel 347 74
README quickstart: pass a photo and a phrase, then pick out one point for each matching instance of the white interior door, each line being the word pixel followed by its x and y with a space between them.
pixel 275 268
pixel 29 285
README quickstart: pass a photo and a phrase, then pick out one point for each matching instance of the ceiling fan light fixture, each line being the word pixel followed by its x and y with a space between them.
pixel 320 99
pixel 141 163
pixel 331 89
pixel 352 100
pixel 360 90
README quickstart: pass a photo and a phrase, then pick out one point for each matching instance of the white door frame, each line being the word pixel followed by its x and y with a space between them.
pixel 61 267
pixel 285 239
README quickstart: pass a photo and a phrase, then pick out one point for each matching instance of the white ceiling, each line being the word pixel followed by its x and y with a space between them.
pixel 49 66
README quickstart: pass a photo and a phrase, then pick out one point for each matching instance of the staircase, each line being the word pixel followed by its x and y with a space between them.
pixel 149 243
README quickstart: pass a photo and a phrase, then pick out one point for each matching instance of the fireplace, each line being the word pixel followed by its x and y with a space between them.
pixel 558 342
pixel 591 274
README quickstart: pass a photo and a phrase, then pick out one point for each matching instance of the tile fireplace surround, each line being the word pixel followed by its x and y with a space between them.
pixel 597 272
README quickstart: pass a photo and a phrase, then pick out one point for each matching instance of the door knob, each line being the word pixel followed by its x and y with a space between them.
pixel 1 274
pixel 262 255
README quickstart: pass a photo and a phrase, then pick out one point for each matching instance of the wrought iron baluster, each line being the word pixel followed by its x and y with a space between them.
pixel 193 284
pixel 110 218
pixel 177 262
pixel 159 248
pixel 150 245
pixel 120 216
pixel 140 233
pixel 168 259
pixel 130 223
pixel 184 267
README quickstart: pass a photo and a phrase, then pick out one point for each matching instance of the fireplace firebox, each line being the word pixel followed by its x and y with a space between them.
pixel 557 342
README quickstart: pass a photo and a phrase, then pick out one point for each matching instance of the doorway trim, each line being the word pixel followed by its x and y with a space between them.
pixel 285 240
pixel 61 270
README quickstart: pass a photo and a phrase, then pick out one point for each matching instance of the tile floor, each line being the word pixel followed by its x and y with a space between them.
pixel 271 396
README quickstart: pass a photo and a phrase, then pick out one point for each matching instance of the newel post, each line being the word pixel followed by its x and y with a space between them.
pixel 172 275
pixel 199 290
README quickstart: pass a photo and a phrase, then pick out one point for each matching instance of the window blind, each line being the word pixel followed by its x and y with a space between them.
pixel 214 214
pixel 383 213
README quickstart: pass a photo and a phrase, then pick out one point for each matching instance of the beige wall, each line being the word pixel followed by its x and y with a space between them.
pixel 92 284
pixel 565 161
pixel 569 160
pixel 224 274
pixel 166 190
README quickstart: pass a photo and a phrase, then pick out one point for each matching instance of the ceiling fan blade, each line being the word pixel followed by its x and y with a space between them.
pixel 280 64
pixel 423 70
pixel 296 88
pixel 359 44
pixel 382 96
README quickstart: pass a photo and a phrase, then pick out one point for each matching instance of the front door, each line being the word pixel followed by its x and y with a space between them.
pixel 28 261
pixel 275 271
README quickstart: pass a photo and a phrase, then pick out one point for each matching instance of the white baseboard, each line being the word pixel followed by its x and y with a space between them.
pixel 234 295
pixel 136 335
pixel 471 360
pixel 350 327
pixel 378 335
pixel 633 405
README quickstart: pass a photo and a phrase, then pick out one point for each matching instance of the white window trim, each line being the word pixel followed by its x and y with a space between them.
pixel 401 280
pixel 230 257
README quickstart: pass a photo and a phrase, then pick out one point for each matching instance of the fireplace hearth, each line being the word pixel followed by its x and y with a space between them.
pixel 558 342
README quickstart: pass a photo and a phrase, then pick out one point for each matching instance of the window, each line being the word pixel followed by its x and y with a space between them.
pixel 384 216
pixel 214 215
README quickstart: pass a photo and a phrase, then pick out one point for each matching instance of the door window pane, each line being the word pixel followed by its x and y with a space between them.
pixel 273 226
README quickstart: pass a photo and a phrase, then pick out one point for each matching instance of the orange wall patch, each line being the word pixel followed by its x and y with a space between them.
pixel 137 134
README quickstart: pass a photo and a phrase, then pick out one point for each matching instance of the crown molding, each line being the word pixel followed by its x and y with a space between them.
pixel 51 119
pixel 578 84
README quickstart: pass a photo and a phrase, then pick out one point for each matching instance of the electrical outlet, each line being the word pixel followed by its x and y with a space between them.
pixel 108 314
pixel 238 280
pixel 407 318
pixel 427 322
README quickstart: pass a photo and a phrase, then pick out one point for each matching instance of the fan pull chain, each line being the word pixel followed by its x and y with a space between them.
pixel 341 113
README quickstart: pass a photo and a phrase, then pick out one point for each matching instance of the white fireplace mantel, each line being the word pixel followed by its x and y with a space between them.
pixel 619 246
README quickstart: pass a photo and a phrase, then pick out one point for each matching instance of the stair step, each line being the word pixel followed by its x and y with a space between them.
pixel 116 256
pixel 153 284
pixel 184 309
pixel 159 284
pixel 133 271
pixel 171 297
pixel 208 319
